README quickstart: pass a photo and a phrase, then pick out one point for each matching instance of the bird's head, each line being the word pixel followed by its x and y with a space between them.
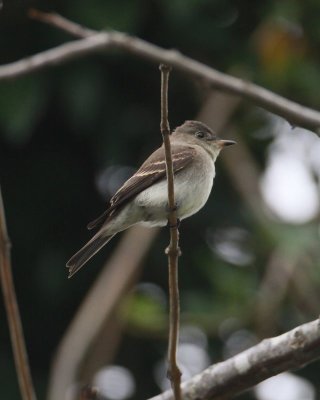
pixel 198 133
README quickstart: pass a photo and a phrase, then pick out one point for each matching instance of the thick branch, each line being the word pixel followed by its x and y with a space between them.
pixel 94 42
pixel 12 310
pixel 292 350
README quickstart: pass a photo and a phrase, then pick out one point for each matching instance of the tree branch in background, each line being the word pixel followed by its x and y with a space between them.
pixel 62 23
pixel 292 350
pixel 12 311
pixel 94 41
pixel 173 251
pixel 279 271
pixel 109 288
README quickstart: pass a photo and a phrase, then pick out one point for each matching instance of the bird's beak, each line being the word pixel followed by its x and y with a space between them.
pixel 223 143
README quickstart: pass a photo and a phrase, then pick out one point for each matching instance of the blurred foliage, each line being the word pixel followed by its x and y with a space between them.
pixel 60 128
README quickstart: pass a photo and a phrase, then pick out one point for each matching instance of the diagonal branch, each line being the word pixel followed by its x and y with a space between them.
pixel 94 42
pixel 97 309
pixel 60 22
pixel 291 350
pixel 12 310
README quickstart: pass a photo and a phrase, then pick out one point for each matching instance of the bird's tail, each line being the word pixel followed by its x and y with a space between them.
pixel 86 252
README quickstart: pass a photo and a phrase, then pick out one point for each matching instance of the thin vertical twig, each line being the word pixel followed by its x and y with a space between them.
pixel 173 251
pixel 12 310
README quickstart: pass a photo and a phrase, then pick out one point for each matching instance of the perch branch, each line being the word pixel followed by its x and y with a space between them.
pixel 93 42
pixel 173 250
pixel 12 310
pixel 291 350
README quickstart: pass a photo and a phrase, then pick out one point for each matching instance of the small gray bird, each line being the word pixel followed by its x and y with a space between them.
pixel 143 198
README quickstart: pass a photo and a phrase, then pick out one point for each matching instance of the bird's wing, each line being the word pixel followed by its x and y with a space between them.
pixel 151 171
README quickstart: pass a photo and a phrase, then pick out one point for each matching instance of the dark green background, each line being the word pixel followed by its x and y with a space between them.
pixel 59 128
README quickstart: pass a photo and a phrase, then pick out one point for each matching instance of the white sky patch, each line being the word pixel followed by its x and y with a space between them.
pixel 288 184
pixel 289 190
pixel 115 382
pixel 286 386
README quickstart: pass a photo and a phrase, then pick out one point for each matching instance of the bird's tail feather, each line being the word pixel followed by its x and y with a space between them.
pixel 86 252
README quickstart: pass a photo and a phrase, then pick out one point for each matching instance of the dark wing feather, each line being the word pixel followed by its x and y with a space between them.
pixel 151 171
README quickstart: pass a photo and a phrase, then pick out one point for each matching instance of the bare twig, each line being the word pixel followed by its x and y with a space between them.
pixel 98 306
pixel 95 42
pixel 292 350
pixel 60 22
pixel 173 250
pixel 12 310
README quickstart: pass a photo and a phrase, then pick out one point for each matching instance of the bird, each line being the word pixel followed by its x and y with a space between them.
pixel 143 198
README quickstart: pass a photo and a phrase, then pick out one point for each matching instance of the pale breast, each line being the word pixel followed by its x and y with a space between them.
pixel 192 189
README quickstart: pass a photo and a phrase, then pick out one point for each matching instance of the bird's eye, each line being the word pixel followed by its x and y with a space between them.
pixel 199 134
